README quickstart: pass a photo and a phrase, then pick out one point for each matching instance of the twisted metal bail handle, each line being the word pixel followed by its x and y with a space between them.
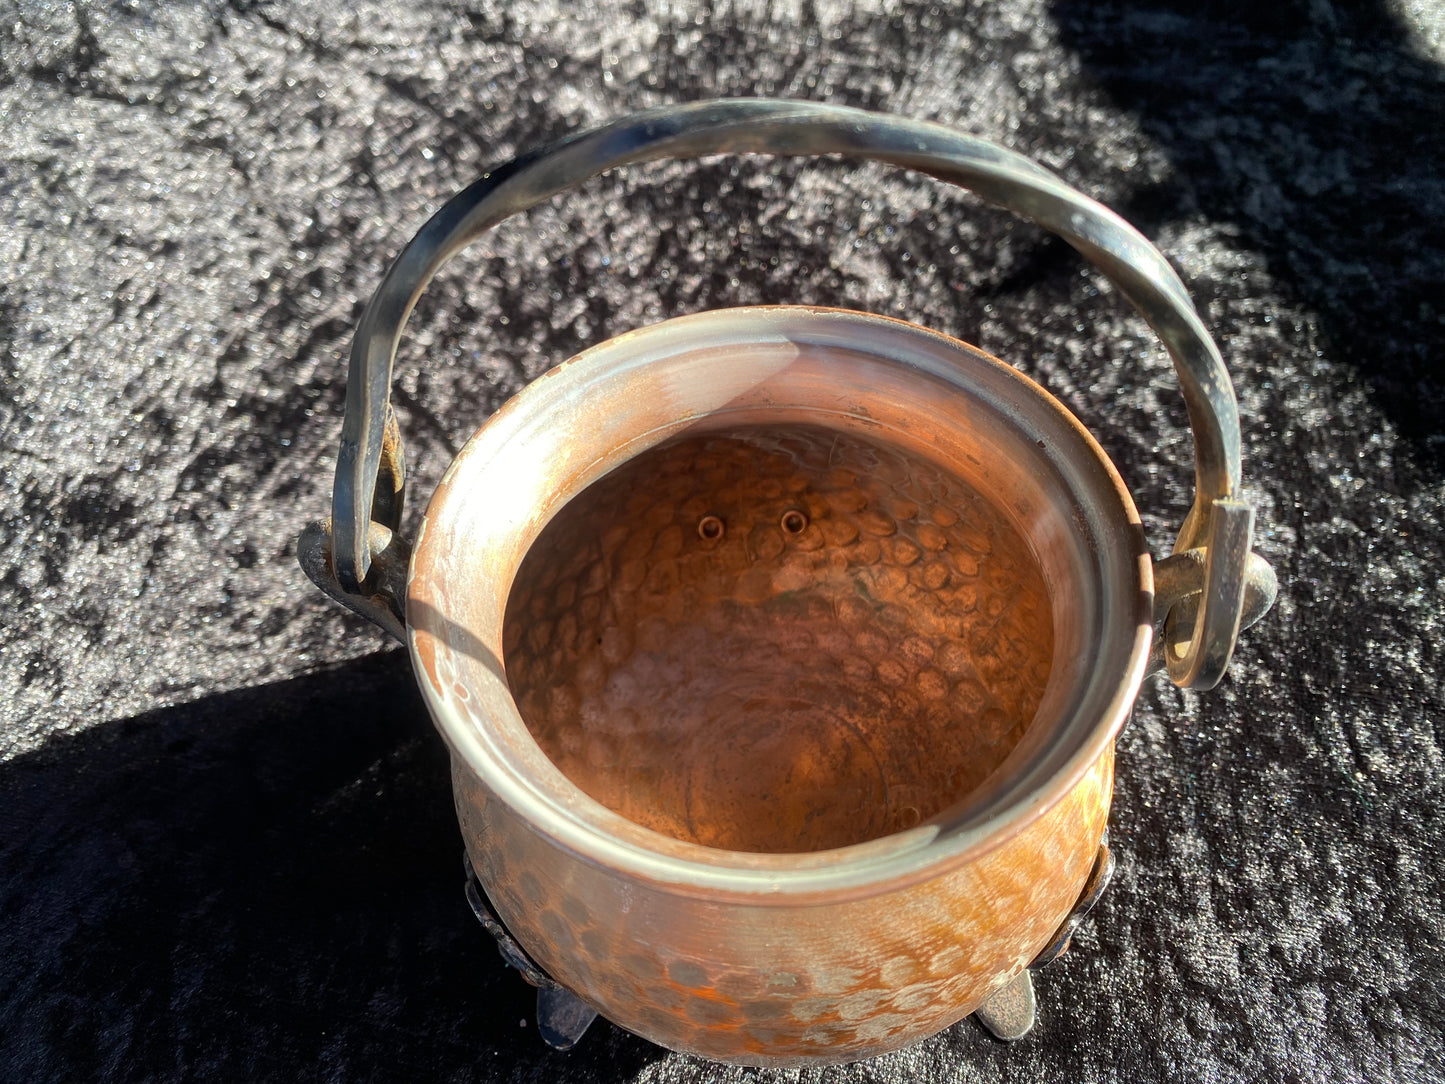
pixel 369 473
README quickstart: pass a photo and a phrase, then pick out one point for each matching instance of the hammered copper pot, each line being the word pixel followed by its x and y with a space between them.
pixel 781 650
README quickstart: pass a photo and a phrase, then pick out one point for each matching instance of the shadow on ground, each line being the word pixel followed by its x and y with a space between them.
pixel 1287 120
pixel 258 885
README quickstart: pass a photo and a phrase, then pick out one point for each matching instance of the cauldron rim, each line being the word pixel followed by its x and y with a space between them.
pixel 553 806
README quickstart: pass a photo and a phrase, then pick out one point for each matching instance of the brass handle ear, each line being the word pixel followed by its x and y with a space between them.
pixel 1180 581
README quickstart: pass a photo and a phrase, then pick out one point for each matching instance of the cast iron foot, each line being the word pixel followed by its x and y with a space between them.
pixel 562 1017
pixel 1009 1013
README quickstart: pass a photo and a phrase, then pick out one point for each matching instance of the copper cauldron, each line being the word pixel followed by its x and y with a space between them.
pixel 781 650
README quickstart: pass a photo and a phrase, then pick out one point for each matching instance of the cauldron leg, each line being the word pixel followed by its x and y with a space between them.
pixel 1009 1013
pixel 562 1017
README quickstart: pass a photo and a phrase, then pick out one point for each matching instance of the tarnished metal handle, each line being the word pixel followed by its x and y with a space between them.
pixel 369 471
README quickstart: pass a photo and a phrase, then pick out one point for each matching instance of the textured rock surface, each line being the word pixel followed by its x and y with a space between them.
pixel 226 843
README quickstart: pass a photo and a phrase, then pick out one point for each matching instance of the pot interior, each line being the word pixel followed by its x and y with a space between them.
pixel 779 637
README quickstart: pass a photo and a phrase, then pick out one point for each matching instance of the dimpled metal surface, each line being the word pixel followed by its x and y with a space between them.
pixel 778 639
pixel 666 525
pixel 785 984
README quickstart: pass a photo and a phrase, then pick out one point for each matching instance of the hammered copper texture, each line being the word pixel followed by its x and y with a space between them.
pixel 228 850
pixel 778 639
pixel 782 983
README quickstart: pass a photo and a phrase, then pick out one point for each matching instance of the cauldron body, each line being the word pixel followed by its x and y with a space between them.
pixel 766 958
pixel 903 915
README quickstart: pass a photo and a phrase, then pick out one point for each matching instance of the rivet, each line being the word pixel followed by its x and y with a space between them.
pixel 710 528
pixel 794 521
